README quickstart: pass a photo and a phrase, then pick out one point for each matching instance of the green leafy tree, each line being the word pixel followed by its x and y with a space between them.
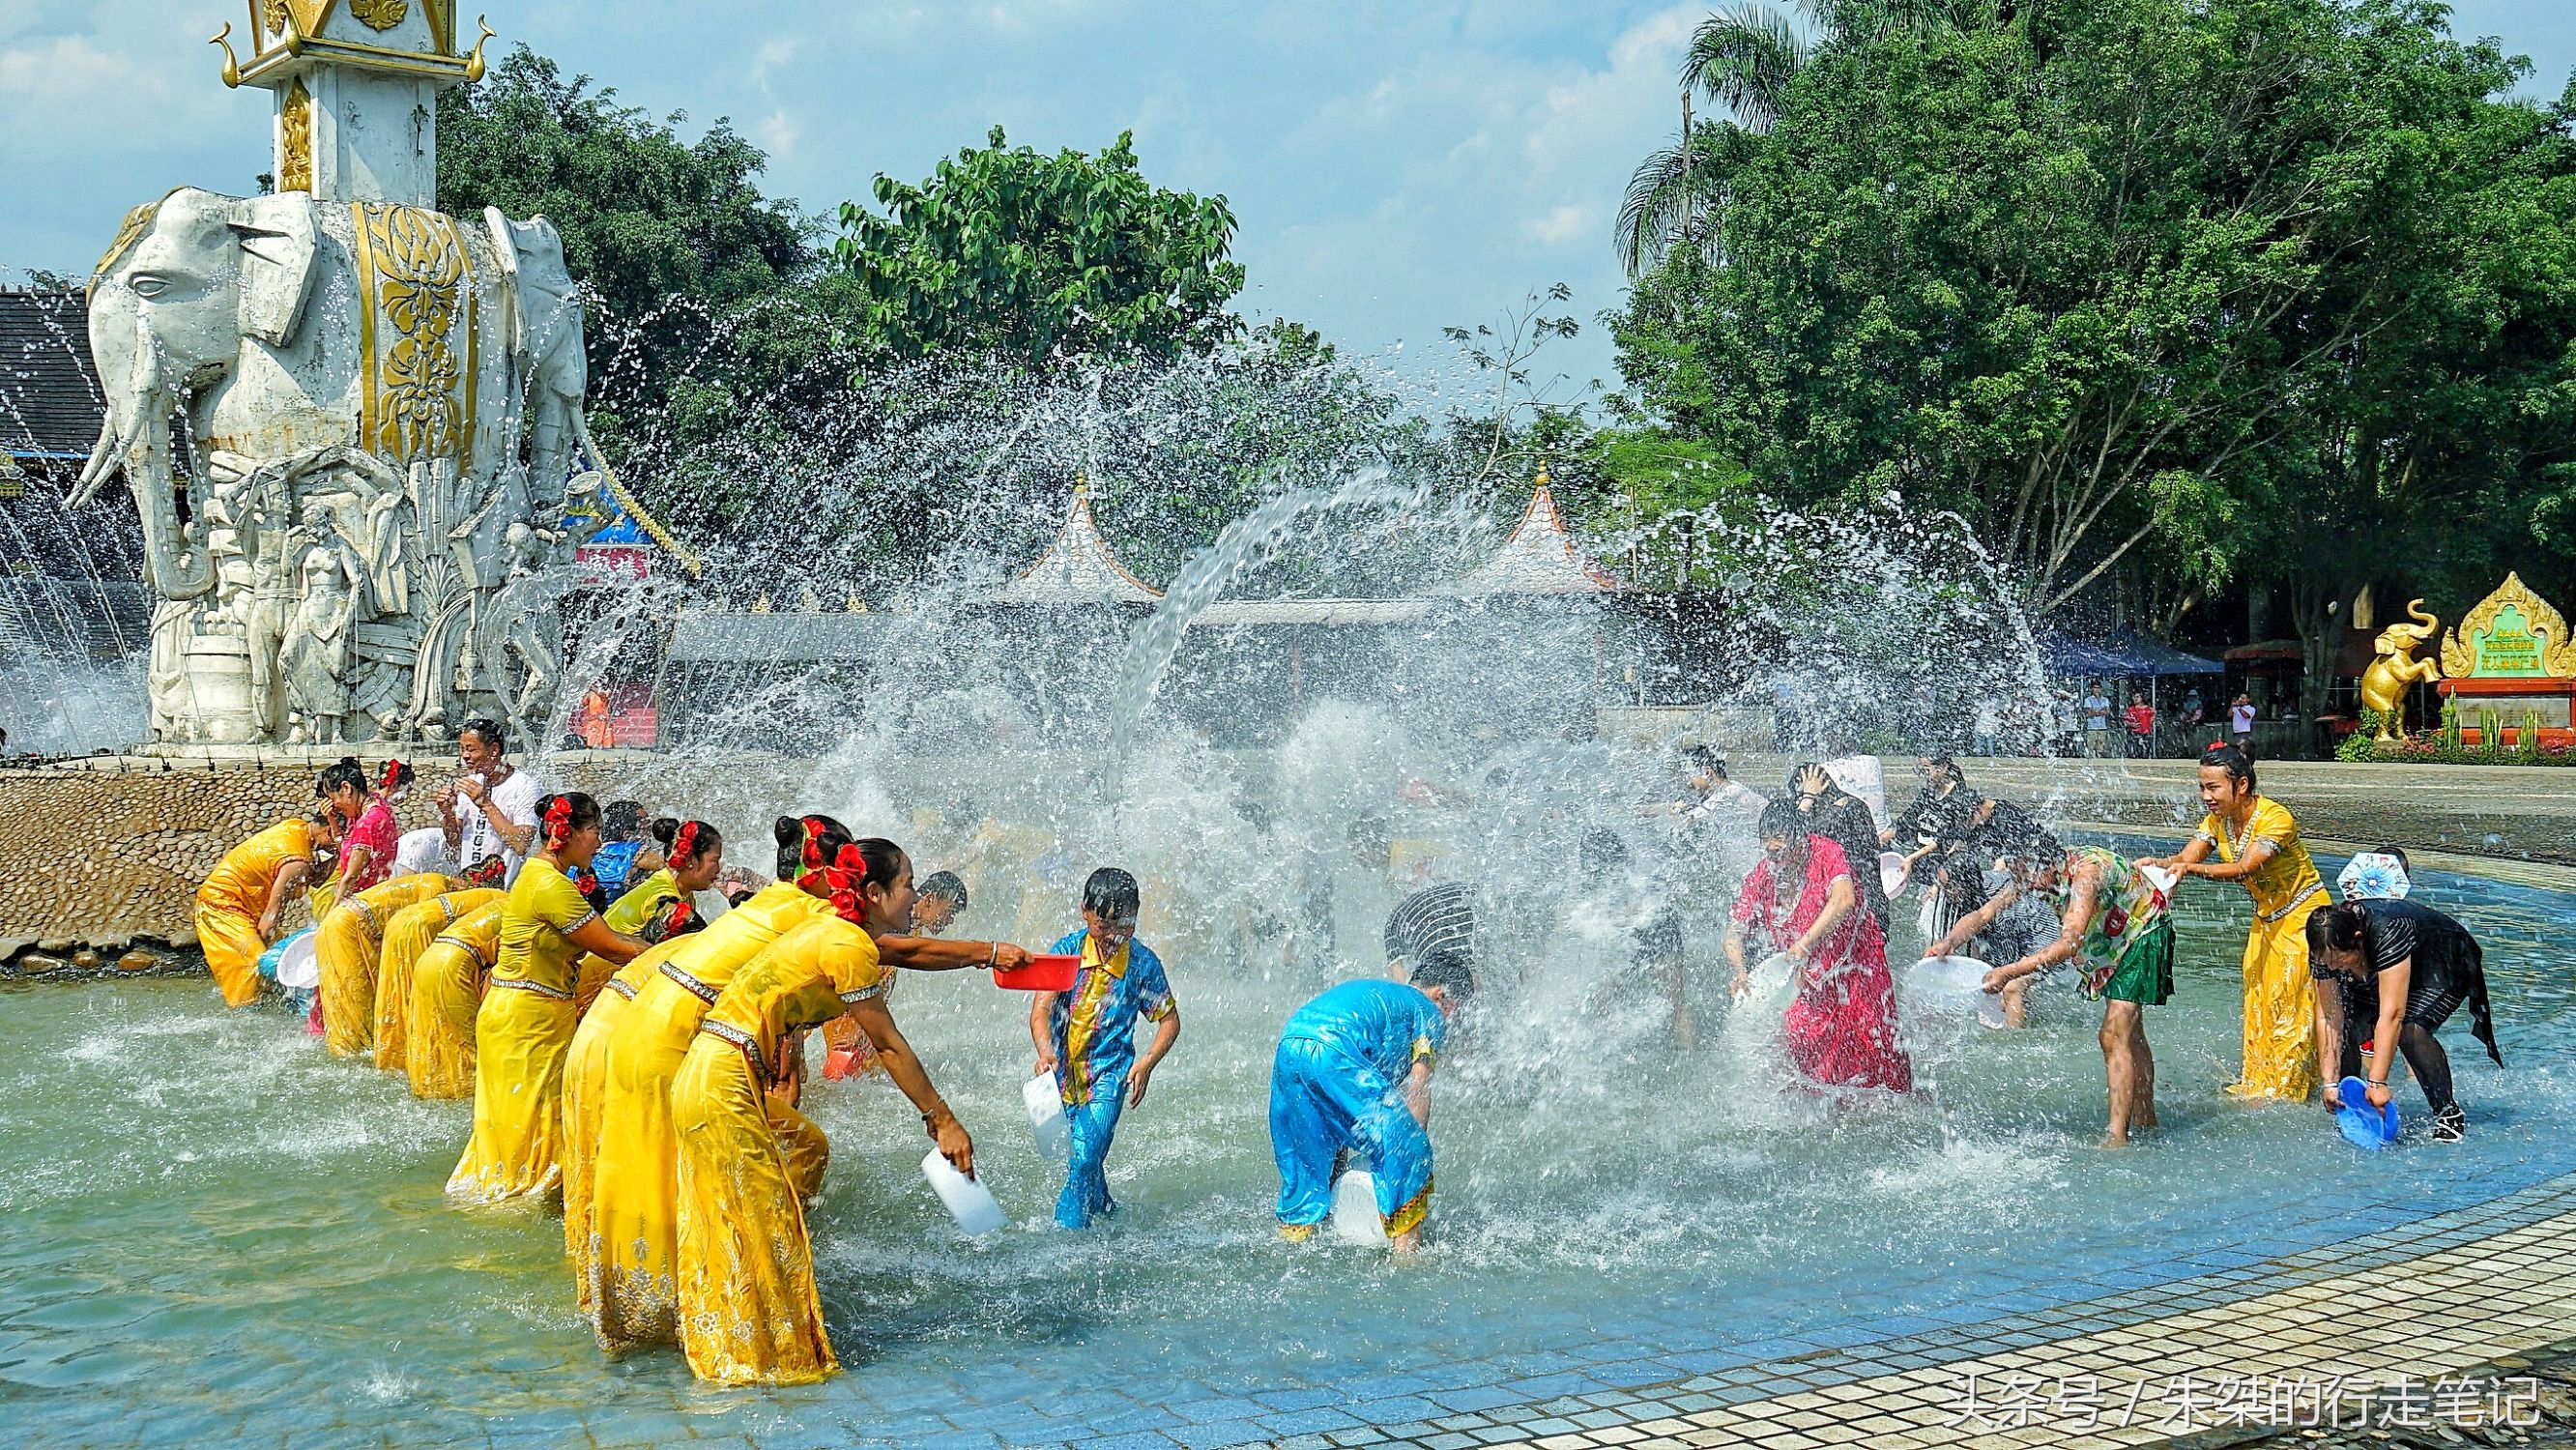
pixel 664 232
pixel 2096 275
pixel 1010 252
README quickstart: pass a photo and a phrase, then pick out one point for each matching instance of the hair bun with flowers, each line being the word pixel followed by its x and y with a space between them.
pixel 558 822
pixel 841 882
pixel 684 846
pixel 390 777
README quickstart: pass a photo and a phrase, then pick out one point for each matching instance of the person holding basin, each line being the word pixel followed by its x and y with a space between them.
pixel 2396 971
pixel 2113 929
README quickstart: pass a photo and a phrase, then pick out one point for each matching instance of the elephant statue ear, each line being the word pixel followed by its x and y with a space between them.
pixel 276 238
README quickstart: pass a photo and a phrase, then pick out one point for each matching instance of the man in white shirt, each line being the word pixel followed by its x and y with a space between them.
pixel 491 813
pixel 2240 723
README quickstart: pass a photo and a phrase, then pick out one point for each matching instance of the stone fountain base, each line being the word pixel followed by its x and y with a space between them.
pixel 100 856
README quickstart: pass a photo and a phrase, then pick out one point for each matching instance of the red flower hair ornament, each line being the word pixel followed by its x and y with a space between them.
pixel 386 778
pixel 558 822
pixel 839 883
pixel 685 845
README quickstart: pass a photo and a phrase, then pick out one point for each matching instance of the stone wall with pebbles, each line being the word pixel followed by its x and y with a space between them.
pixel 100 859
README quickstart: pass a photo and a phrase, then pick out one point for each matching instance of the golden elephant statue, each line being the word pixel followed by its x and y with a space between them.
pixel 2383 685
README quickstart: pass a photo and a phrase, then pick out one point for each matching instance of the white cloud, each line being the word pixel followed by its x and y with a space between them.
pixel 1561 225
pixel 777 134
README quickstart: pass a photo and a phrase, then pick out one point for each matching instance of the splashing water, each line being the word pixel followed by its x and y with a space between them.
pixel 201 1213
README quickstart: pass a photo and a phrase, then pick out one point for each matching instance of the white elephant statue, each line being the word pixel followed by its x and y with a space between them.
pixel 370 373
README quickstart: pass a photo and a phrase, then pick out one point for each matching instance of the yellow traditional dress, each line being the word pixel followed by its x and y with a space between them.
pixel 2280 998
pixel 749 1311
pixel 634 1180
pixel 235 896
pixel 648 907
pixel 406 937
pixel 446 994
pixel 520 1036
pixel 585 1098
pixel 346 949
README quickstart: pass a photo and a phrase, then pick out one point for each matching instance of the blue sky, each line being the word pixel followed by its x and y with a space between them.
pixel 1394 166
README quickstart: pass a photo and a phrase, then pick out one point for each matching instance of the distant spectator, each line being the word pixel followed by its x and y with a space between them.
pixel 598 722
pixel 2097 721
pixel 2195 711
pixel 2240 723
pixel 2066 719
pixel 1989 721
pixel 2142 728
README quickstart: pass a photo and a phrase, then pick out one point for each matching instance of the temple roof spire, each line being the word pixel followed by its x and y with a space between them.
pixel 1078 567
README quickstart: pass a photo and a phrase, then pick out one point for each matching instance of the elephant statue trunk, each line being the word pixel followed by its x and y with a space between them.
pixel 134 441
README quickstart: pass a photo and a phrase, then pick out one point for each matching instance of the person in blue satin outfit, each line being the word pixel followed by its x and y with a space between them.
pixel 1353 1076
pixel 1087 1036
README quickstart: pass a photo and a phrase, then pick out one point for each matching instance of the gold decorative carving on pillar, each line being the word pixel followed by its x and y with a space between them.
pixel 380 14
pixel 2383 685
pixel 416 333
pixel 273 15
pixel 295 139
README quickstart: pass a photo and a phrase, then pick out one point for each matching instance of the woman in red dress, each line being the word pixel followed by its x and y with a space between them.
pixel 1801 901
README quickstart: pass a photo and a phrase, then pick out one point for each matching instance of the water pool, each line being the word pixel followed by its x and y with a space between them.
pixel 210 1233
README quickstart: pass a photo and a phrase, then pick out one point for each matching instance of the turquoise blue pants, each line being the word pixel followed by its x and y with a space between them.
pixel 1324 1101
pixel 1086 1179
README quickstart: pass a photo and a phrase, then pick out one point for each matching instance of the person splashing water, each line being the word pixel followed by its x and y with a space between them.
pixel 1801 902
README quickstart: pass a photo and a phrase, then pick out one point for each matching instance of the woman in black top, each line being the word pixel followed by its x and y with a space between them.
pixel 1844 819
pixel 2398 971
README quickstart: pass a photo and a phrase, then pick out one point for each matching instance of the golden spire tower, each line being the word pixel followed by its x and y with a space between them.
pixel 357 85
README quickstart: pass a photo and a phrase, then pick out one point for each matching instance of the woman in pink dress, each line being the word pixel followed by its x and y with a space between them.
pixel 1800 900
pixel 367 856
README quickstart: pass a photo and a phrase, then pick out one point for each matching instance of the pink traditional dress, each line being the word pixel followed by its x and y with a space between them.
pixel 1841 1026
pixel 377 831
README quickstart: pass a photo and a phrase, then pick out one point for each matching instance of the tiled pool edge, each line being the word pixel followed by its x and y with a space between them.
pixel 1744 1403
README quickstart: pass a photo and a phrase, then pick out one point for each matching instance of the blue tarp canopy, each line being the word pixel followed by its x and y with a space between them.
pixel 2126 654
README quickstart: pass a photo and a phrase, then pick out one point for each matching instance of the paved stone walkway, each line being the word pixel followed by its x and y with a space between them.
pixel 2405 1328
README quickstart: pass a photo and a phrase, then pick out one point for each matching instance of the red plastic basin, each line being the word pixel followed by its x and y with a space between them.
pixel 1046 972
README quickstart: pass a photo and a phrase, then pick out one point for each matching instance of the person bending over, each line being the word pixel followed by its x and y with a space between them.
pixel 2396 970
pixel 1352 1075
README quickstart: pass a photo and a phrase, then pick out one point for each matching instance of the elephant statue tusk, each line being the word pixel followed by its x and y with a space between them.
pixel 232 62
pixel 102 466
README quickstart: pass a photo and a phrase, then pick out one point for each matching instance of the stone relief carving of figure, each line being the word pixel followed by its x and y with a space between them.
pixel 376 382
pixel 317 654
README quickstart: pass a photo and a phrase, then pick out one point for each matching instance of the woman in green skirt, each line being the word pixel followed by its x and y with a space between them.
pixel 2115 932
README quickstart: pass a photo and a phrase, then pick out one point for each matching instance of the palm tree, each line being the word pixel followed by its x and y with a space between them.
pixel 1744 59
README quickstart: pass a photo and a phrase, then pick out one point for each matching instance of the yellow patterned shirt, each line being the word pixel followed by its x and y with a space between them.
pixel 2288 877
pixel 816 972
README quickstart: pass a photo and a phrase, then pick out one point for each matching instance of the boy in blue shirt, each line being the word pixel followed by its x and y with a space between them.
pixel 1087 1036
pixel 1353 1075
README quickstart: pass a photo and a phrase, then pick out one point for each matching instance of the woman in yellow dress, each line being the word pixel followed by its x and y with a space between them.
pixel 446 994
pixel 406 936
pixel 526 1022
pixel 634 1225
pixel 347 947
pixel 657 909
pixel 2258 843
pixel 626 1265
pixel 243 899
pixel 749 1312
